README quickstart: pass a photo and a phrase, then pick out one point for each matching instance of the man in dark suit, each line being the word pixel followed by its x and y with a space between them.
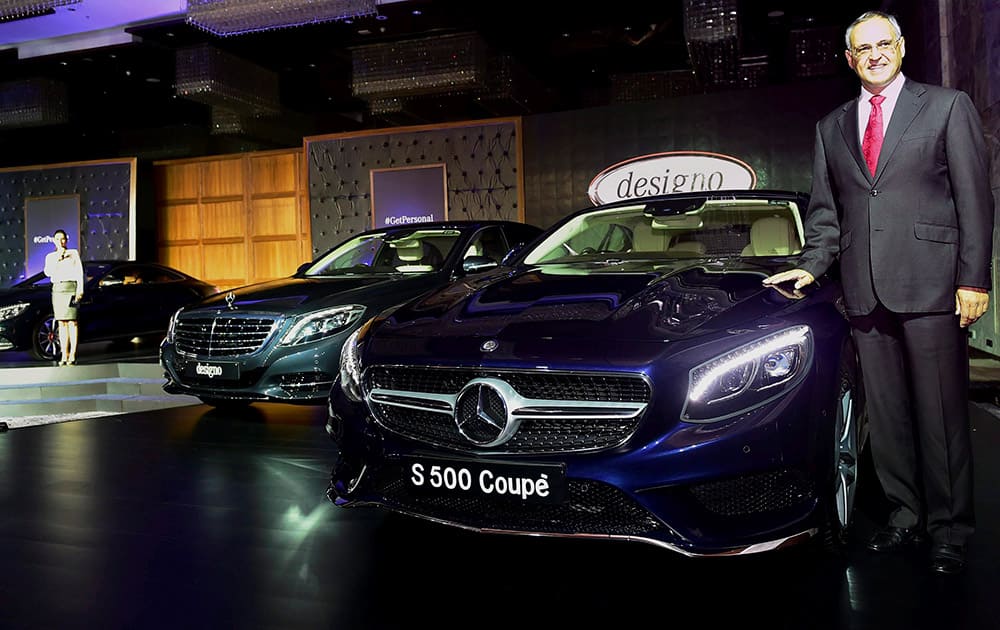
pixel 901 195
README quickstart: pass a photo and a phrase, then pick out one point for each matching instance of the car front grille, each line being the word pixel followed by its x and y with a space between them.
pixel 225 335
pixel 555 412
pixel 590 507
pixel 302 384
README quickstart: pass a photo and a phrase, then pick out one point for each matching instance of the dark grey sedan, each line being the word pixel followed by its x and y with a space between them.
pixel 280 340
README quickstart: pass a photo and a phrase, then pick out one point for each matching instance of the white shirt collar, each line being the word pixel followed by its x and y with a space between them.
pixel 890 92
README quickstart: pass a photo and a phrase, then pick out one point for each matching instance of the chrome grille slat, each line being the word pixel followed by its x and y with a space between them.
pixel 575 411
pixel 224 335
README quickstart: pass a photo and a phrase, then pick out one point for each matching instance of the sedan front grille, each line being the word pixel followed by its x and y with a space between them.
pixel 549 412
pixel 223 335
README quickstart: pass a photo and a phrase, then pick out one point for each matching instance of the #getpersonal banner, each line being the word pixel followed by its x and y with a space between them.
pixel 401 196
pixel 42 217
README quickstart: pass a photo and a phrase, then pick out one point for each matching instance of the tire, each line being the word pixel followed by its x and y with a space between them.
pixel 45 339
pixel 849 437
pixel 224 403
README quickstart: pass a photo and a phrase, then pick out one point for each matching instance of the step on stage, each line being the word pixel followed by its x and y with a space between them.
pixel 108 379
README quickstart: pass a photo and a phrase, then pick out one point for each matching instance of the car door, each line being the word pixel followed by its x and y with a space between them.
pixel 120 305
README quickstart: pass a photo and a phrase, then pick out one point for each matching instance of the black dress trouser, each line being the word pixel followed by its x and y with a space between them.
pixel 916 376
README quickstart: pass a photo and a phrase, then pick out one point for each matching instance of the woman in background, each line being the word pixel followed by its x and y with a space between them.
pixel 65 269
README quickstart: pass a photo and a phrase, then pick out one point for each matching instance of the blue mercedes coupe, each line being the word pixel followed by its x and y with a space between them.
pixel 626 376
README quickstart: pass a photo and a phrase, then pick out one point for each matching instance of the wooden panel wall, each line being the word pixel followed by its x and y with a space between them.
pixel 234 219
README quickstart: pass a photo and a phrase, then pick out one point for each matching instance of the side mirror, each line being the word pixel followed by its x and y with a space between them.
pixel 475 264
pixel 514 251
pixel 303 267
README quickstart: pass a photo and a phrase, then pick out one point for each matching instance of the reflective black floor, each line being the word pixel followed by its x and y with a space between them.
pixel 189 518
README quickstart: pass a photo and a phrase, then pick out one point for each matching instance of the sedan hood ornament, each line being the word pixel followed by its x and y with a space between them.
pixel 230 298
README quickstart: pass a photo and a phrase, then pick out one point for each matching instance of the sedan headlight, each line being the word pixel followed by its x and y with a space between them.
pixel 172 326
pixel 315 326
pixel 12 311
pixel 350 363
pixel 748 376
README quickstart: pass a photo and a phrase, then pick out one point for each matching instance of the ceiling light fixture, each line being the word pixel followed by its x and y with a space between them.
pixel 29 8
pixel 234 17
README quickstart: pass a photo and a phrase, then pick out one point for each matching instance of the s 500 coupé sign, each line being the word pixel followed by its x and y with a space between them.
pixel 668 173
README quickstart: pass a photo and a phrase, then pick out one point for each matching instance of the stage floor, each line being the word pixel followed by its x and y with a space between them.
pixel 191 518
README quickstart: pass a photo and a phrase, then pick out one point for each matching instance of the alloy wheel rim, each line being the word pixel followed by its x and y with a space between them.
pixel 48 339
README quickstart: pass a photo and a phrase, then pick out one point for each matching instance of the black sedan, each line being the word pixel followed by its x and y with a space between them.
pixel 280 341
pixel 122 299
pixel 627 376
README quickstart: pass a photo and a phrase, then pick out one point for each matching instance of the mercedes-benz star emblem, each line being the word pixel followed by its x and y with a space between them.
pixel 481 414
pixel 230 298
pixel 489 345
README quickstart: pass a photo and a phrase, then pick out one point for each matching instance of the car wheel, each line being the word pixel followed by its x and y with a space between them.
pixel 224 403
pixel 849 439
pixel 45 339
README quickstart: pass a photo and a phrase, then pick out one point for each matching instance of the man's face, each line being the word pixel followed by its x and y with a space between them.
pixel 876 53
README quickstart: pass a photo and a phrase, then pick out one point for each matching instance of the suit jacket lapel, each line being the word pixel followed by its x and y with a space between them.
pixel 848 122
pixel 908 105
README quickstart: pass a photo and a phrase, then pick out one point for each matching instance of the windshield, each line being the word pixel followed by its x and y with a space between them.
pixel 408 251
pixel 717 229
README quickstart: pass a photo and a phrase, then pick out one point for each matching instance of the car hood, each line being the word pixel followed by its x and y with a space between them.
pixel 12 295
pixel 294 295
pixel 584 309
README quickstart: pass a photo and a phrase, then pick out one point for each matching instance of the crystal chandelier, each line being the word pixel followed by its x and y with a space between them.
pixel 711 28
pixel 214 77
pixel 32 103
pixel 430 65
pixel 234 17
pixel 15 9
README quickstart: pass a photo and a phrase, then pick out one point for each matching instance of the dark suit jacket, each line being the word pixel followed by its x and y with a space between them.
pixel 923 225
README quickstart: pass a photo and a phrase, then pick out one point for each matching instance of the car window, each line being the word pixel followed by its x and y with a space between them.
pixel 490 243
pixel 157 275
pixel 717 229
pixel 413 250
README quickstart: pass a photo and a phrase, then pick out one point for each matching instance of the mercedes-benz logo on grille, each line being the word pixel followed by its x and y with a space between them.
pixel 482 415
pixel 230 298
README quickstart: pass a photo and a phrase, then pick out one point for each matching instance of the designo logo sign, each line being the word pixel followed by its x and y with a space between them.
pixel 670 172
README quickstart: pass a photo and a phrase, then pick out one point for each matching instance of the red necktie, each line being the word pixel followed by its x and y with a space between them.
pixel 871 144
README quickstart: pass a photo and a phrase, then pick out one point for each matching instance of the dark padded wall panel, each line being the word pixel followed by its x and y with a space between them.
pixel 104 191
pixel 480 162
pixel 772 129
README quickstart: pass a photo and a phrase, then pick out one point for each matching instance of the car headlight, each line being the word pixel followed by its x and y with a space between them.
pixel 748 376
pixel 172 326
pixel 12 311
pixel 322 324
pixel 350 363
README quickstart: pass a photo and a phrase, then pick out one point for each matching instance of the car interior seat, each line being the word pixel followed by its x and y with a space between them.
pixel 475 249
pixel 646 239
pixel 417 256
pixel 772 236
pixel 688 247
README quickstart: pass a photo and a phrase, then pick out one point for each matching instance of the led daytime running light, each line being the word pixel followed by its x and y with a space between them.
pixel 788 338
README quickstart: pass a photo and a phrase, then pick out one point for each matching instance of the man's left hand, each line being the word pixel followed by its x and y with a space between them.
pixel 970 305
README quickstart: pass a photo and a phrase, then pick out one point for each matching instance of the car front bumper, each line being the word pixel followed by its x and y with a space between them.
pixel 291 374
pixel 751 486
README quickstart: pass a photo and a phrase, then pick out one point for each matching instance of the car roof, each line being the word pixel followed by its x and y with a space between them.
pixel 458 224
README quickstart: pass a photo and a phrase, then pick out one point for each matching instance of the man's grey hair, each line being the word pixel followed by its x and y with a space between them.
pixel 869 15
